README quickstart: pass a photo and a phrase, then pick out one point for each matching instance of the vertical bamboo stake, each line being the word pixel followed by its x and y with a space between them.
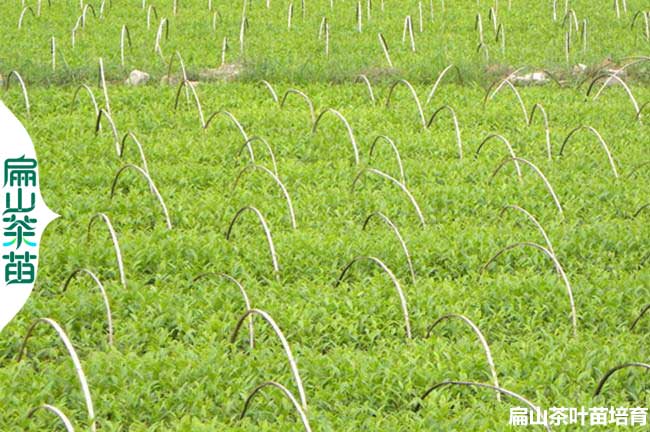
pixel 502 33
pixel 224 48
pixel 289 15
pixel 242 35
pixel 321 28
pixel 242 28
pixel 327 39
pixel 384 47
pixel 359 17
pixel 102 80
pixel 53 50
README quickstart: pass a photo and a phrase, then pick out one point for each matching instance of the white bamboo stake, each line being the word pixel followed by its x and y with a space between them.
pixel 22 16
pixel 384 47
pixel 327 39
pixel 102 291
pixel 149 10
pixel 411 35
pixel 152 188
pixel 57 412
pixel 102 81
pixel 321 28
pixel 285 345
pixel 479 26
pixel 265 228
pixel 23 88
pixel 157 46
pixel 81 376
pixel 289 15
pixel 359 17
pixel 114 240
pixel 346 124
pixel 554 10
pixel 242 35
pixel 53 51
pixel 396 284
pixel 125 34
pixel 287 394
pixel 481 338
pixel 224 48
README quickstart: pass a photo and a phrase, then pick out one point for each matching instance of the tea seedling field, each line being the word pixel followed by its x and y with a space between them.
pixel 576 218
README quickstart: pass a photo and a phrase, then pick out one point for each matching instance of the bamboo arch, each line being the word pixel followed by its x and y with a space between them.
pixel 391 275
pixel 506 143
pixel 75 360
pixel 57 412
pixel 454 118
pixel 251 329
pixel 102 290
pixel 285 345
pixel 558 269
pixel 398 158
pixel 152 187
pixel 413 93
pixel 91 95
pixel 23 88
pixel 265 228
pixel 248 144
pixel 600 140
pixel 116 244
pixel 398 235
pixel 615 369
pixel 539 173
pixel 277 181
pixel 286 393
pixel 348 128
pixel 481 338
pixel 396 182
pixel 480 385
